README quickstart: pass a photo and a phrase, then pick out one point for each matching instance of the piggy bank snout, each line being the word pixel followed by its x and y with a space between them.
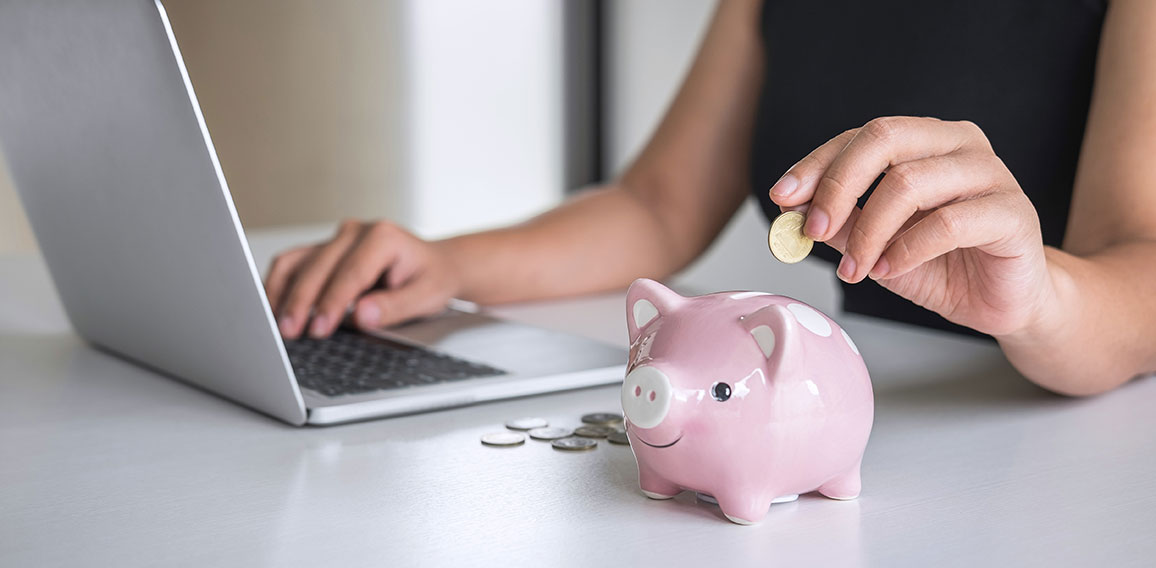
pixel 646 394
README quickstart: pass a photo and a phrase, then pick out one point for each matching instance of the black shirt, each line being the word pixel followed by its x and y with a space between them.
pixel 1020 69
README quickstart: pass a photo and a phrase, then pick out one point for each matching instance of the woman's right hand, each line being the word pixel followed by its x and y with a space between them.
pixel 382 272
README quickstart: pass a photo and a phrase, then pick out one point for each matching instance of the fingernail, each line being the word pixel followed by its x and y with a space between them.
pixel 817 222
pixel 288 325
pixel 320 326
pixel 368 314
pixel 847 268
pixel 881 269
pixel 785 186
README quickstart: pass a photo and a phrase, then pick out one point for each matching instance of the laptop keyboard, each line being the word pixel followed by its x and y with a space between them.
pixel 351 363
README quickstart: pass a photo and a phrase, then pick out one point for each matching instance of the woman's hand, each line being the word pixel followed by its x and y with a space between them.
pixel 384 273
pixel 948 227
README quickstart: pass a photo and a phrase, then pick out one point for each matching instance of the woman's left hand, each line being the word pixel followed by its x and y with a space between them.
pixel 948 227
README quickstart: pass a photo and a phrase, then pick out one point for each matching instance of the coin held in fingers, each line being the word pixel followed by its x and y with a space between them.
pixel 786 238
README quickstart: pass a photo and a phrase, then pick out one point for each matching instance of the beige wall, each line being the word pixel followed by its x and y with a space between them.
pixel 302 101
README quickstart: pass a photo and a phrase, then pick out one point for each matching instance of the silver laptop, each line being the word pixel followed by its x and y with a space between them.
pixel 107 147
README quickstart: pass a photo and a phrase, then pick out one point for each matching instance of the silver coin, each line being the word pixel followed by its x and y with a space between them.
pixel 550 433
pixel 574 444
pixel 503 439
pixel 602 418
pixel 592 431
pixel 618 438
pixel 528 423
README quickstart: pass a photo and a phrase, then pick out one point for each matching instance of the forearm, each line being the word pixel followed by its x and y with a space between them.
pixel 1097 326
pixel 599 240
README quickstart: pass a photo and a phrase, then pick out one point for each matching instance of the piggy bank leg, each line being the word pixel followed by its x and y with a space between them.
pixel 782 499
pixel 654 486
pixel 743 509
pixel 843 486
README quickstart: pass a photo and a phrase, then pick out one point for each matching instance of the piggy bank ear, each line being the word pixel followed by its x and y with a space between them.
pixel 646 301
pixel 775 330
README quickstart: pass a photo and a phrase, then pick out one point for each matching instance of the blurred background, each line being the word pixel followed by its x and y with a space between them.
pixel 445 116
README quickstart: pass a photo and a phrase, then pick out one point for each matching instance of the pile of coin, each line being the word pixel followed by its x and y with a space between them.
pixel 595 426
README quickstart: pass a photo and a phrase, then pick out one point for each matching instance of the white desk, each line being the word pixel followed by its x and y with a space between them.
pixel 103 463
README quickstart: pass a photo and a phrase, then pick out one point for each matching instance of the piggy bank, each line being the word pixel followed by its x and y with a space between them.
pixel 747 398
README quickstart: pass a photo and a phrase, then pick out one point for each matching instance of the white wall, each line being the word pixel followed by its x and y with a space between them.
pixel 649 48
pixel 651 44
pixel 484 112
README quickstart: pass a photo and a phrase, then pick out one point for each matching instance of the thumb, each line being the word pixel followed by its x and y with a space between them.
pixel 384 308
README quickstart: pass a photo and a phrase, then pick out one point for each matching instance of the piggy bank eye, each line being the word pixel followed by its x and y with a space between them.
pixel 720 391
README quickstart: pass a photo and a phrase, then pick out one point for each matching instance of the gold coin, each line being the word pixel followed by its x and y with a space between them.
pixel 574 444
pixel 786 239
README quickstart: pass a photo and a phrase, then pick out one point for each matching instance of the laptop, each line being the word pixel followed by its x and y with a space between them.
pixel 110 154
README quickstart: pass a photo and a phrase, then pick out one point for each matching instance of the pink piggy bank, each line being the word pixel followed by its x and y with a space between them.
pixel 749 398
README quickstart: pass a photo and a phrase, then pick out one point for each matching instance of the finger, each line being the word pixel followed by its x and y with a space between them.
pixel 420 297
pixel 839 240
pixel 991 223
pixel 311 277
pixel 910 187
pixel 376 251
pixel 280 272
pixel 806 173
pixel 879 145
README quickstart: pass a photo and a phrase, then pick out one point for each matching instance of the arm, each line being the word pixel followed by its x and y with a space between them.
pixel 662 213
pixel 1099 329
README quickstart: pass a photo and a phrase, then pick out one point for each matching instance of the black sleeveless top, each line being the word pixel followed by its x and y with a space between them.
pixel 1020 69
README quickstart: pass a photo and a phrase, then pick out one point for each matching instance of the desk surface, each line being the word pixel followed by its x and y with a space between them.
pixel 104 463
